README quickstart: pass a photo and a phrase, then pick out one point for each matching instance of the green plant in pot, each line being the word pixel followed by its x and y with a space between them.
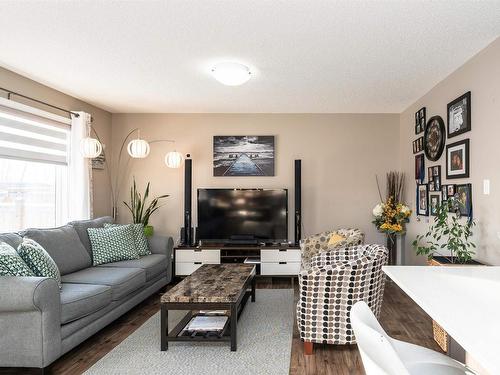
pixel 448 232
pixel 140 212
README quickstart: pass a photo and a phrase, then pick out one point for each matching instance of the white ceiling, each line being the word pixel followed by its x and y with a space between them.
pixel 307 56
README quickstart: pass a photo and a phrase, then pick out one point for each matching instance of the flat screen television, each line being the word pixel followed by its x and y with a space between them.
pixel 242 215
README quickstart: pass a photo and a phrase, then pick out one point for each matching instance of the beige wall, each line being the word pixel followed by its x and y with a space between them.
pixel 481 76
pixel 341 153
pixel 102 123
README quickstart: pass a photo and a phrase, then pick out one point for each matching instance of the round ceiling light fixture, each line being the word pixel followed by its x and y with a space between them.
pixel 231 73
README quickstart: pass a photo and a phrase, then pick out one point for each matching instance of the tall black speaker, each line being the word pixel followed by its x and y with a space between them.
pixel 298 201
pixel 188 188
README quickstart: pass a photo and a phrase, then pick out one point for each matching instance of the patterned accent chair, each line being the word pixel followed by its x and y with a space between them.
pixel 331 284
pixel 318 243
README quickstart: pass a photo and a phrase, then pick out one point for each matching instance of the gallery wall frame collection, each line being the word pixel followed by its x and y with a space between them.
pixel 429 195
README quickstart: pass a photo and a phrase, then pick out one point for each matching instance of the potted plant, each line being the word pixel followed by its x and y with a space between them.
pixel 141 213
pixel 391 216
pixel 450 233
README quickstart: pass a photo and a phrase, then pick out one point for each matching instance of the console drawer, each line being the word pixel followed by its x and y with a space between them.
pixel 210 255
pixel 283 268
pixel 275 255
pixel 187 268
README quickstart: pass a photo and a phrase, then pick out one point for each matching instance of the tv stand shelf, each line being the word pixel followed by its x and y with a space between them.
pixel 275 260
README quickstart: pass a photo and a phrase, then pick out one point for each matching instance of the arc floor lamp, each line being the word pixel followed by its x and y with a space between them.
pixel 137 148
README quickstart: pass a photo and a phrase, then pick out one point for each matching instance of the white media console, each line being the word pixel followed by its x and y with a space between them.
pixel 270 260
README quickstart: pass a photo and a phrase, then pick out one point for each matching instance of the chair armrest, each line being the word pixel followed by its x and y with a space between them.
pixel 30 321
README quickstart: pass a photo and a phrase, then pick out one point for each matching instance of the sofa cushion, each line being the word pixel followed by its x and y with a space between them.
pixel 121 280
pixel 11 264
pixel 153 264
pixel 81 227
pixel 140 240
pixel 64 246
pixel 13 239
pixel 112 244
pixel 38 260
pixel 79 300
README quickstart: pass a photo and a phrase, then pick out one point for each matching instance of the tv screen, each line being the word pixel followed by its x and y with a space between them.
pixel 226 215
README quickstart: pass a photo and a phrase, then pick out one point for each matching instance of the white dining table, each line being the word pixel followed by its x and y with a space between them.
pixel 465 301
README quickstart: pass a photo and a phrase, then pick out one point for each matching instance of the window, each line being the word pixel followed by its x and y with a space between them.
pixel 31 195
pixel 34 149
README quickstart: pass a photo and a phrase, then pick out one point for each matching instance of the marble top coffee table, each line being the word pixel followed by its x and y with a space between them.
pixel 210 287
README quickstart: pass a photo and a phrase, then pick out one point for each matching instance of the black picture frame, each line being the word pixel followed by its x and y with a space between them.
pixel 458 122
pixel 243 155
pixel 450 190
pixel 434 138
pixel 434 201
pixel 457 159
pixel 418 145
pixel 437 183
pixel 463 193
pixel 422 200
pixel 444 193
pixel 420 120
pixel 420 167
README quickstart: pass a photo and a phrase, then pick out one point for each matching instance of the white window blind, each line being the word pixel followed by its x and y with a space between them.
pixel 27 133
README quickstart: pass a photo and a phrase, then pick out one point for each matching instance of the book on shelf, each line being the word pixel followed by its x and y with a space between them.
pixel 213 312
pixel 201 323
pixel 252 260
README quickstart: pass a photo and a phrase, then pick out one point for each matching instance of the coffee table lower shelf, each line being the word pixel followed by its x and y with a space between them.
pixel 229 332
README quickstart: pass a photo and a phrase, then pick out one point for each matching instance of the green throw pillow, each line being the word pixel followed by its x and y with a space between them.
pixel 11 264
pixel 112 244
pixel 140 240
pixel 38 260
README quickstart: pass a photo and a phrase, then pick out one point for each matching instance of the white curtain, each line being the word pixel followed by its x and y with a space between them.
pixel 80 171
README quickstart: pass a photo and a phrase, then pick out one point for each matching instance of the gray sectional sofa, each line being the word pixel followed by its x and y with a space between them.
pixel 39 322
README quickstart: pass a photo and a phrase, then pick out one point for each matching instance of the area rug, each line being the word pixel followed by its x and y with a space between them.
pixel 264 343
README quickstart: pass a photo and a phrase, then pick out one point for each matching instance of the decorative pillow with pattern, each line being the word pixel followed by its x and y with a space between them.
pixel 38 260
pixel 11 264
pixel 140 240
pixel 112 244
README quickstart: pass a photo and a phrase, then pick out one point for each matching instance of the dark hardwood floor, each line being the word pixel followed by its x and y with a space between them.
pixel 400 316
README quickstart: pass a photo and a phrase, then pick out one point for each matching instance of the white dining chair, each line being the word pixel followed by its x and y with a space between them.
pixel 383 355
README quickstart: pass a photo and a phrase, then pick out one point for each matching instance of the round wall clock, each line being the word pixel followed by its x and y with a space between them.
pixel 434 138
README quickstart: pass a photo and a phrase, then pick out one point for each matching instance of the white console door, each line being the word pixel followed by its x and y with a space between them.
pixel 280 262
pixel 283 268
pixel 277 255
pixel 189 260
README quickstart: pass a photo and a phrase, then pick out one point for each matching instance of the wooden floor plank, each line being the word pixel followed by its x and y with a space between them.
pixel 400 316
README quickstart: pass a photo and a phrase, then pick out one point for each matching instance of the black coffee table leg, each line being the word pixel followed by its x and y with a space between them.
pixel 164 328
pixel 253 289
pixel 234 324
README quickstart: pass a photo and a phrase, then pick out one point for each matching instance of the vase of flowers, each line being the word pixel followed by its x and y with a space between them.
pixel 391 215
